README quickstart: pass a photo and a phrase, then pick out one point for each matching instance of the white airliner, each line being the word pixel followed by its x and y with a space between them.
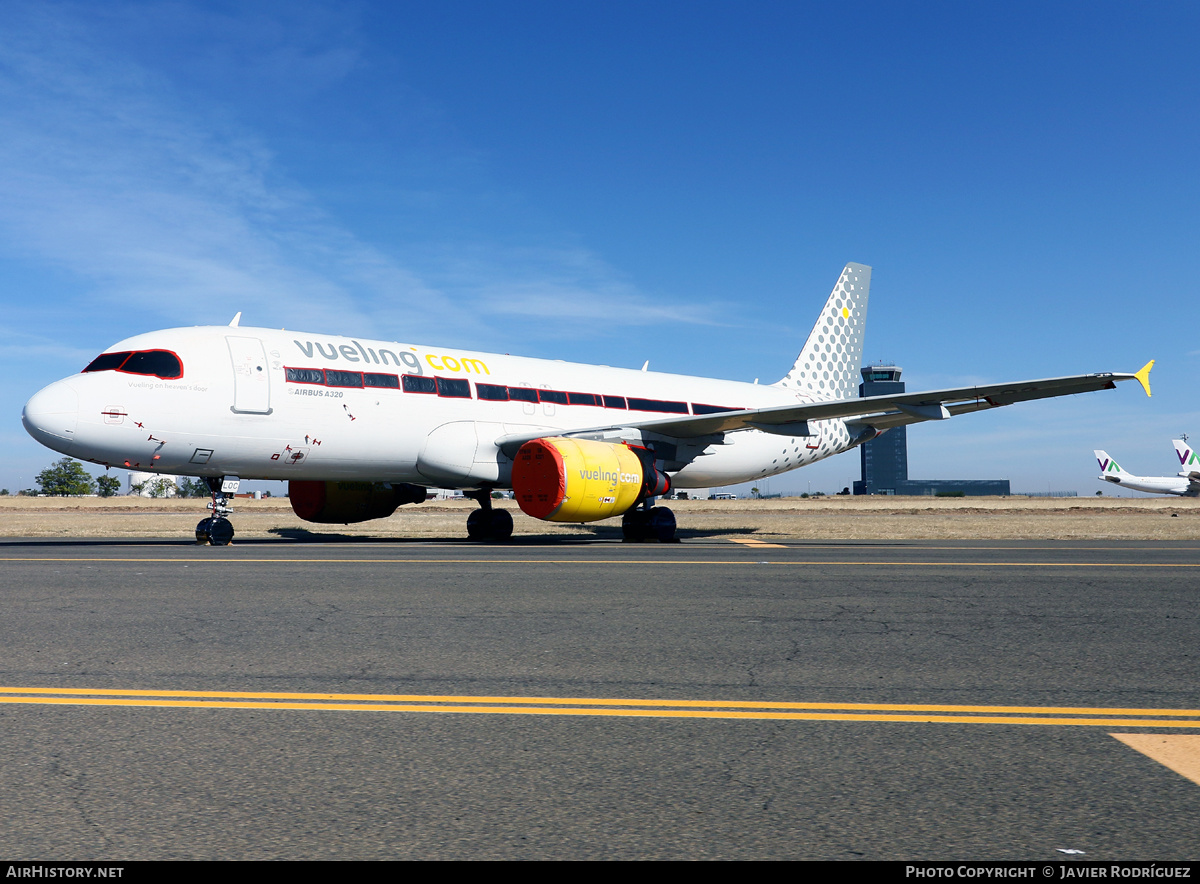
pixel 1186 483
pixel 359 427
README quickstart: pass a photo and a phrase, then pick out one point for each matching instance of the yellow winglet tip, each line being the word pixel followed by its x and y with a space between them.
pixel 1143 376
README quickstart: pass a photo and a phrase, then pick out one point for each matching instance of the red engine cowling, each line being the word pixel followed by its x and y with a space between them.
pixel 346 502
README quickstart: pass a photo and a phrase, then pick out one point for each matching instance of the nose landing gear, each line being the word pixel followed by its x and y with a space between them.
pixel 216 530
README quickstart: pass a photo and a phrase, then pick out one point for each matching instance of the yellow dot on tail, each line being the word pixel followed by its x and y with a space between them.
pixel 845 313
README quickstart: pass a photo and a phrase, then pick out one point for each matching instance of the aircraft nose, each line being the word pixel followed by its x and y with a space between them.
pixel 51 415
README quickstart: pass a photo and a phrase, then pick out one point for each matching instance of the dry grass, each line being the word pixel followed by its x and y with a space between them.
pixel 874 518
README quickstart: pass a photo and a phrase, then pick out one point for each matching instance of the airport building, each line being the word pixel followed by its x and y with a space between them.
pixel 884 459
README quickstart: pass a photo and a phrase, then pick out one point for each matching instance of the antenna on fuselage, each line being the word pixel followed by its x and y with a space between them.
pixel 233 323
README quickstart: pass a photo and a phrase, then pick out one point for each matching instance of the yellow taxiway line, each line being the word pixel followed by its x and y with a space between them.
pixel 595 706
pixel 757 544
pixel 527 563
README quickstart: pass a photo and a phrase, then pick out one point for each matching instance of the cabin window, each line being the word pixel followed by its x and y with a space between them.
pixel 305 375
pixel 154 361
pixel 336 378
pixel 453 388
pixel 658 405
pixel 413 383
pixel 523 394
pixel 491 392
pixel 387 381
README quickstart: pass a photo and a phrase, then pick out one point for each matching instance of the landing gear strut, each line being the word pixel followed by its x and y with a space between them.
pixel 216 529
pixel 648 522
pixel 488 523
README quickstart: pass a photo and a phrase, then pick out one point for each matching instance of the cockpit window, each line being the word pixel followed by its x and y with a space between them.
pixel 107 361
pixel 155 363
pixel 160 363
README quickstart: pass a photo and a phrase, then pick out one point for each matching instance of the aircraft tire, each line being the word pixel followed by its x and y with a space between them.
pixel 202 530
pixel 490 525
pixel 633 526
pixel 220 533
pixel 500 525
pixel 477 525
pixel 661 524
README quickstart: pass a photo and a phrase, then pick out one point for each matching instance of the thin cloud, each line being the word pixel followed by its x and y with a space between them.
pixel 19 346
pixel 164 207
pixel 163 210
pixel 567 287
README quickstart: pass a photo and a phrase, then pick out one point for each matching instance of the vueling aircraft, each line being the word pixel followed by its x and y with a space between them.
pixel 1185 484
pixel 359 427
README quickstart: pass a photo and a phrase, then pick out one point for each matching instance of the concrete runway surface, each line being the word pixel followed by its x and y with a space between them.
pixel 588 700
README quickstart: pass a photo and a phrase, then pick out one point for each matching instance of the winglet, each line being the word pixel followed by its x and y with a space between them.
pixel 233 323
pixel 1143 376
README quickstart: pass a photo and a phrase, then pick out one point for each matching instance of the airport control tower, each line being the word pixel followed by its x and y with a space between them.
pixel 885 458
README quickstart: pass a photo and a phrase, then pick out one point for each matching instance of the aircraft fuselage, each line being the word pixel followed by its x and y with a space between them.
pixel 273 404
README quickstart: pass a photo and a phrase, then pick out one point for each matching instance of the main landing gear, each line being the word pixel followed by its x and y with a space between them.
pixel 216 529
pixel 648 522
pixel 488 523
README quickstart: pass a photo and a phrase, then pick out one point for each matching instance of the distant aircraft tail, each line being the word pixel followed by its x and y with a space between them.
pixel 1189 461
pixel 828 364
pixel 1108 466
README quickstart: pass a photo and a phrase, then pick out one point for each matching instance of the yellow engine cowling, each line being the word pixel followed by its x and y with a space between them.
pixel 576 480
pixel 346 502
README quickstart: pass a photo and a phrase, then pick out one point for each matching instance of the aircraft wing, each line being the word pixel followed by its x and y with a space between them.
pixel 880 412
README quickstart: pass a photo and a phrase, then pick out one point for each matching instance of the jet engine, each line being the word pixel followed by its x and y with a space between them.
pixel 579 480
pixel 346 502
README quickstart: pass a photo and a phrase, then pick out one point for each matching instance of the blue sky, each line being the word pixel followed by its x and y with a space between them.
pixel 678 182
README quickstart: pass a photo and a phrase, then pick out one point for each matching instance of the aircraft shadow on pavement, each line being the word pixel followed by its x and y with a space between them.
pixel 589 535
pixel 598 534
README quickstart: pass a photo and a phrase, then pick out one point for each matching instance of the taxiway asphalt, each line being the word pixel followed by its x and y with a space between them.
pixel 565 699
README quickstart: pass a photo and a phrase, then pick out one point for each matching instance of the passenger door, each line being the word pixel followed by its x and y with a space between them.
pixel 251 380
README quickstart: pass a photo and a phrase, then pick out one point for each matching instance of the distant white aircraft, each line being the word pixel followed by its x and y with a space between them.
pixel 361 427
pixel 1189 462
pixel 1185 484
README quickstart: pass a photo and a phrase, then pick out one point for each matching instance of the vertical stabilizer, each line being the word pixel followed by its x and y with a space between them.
pixel 828 365
pixel 1108 466
pixel 1189 462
